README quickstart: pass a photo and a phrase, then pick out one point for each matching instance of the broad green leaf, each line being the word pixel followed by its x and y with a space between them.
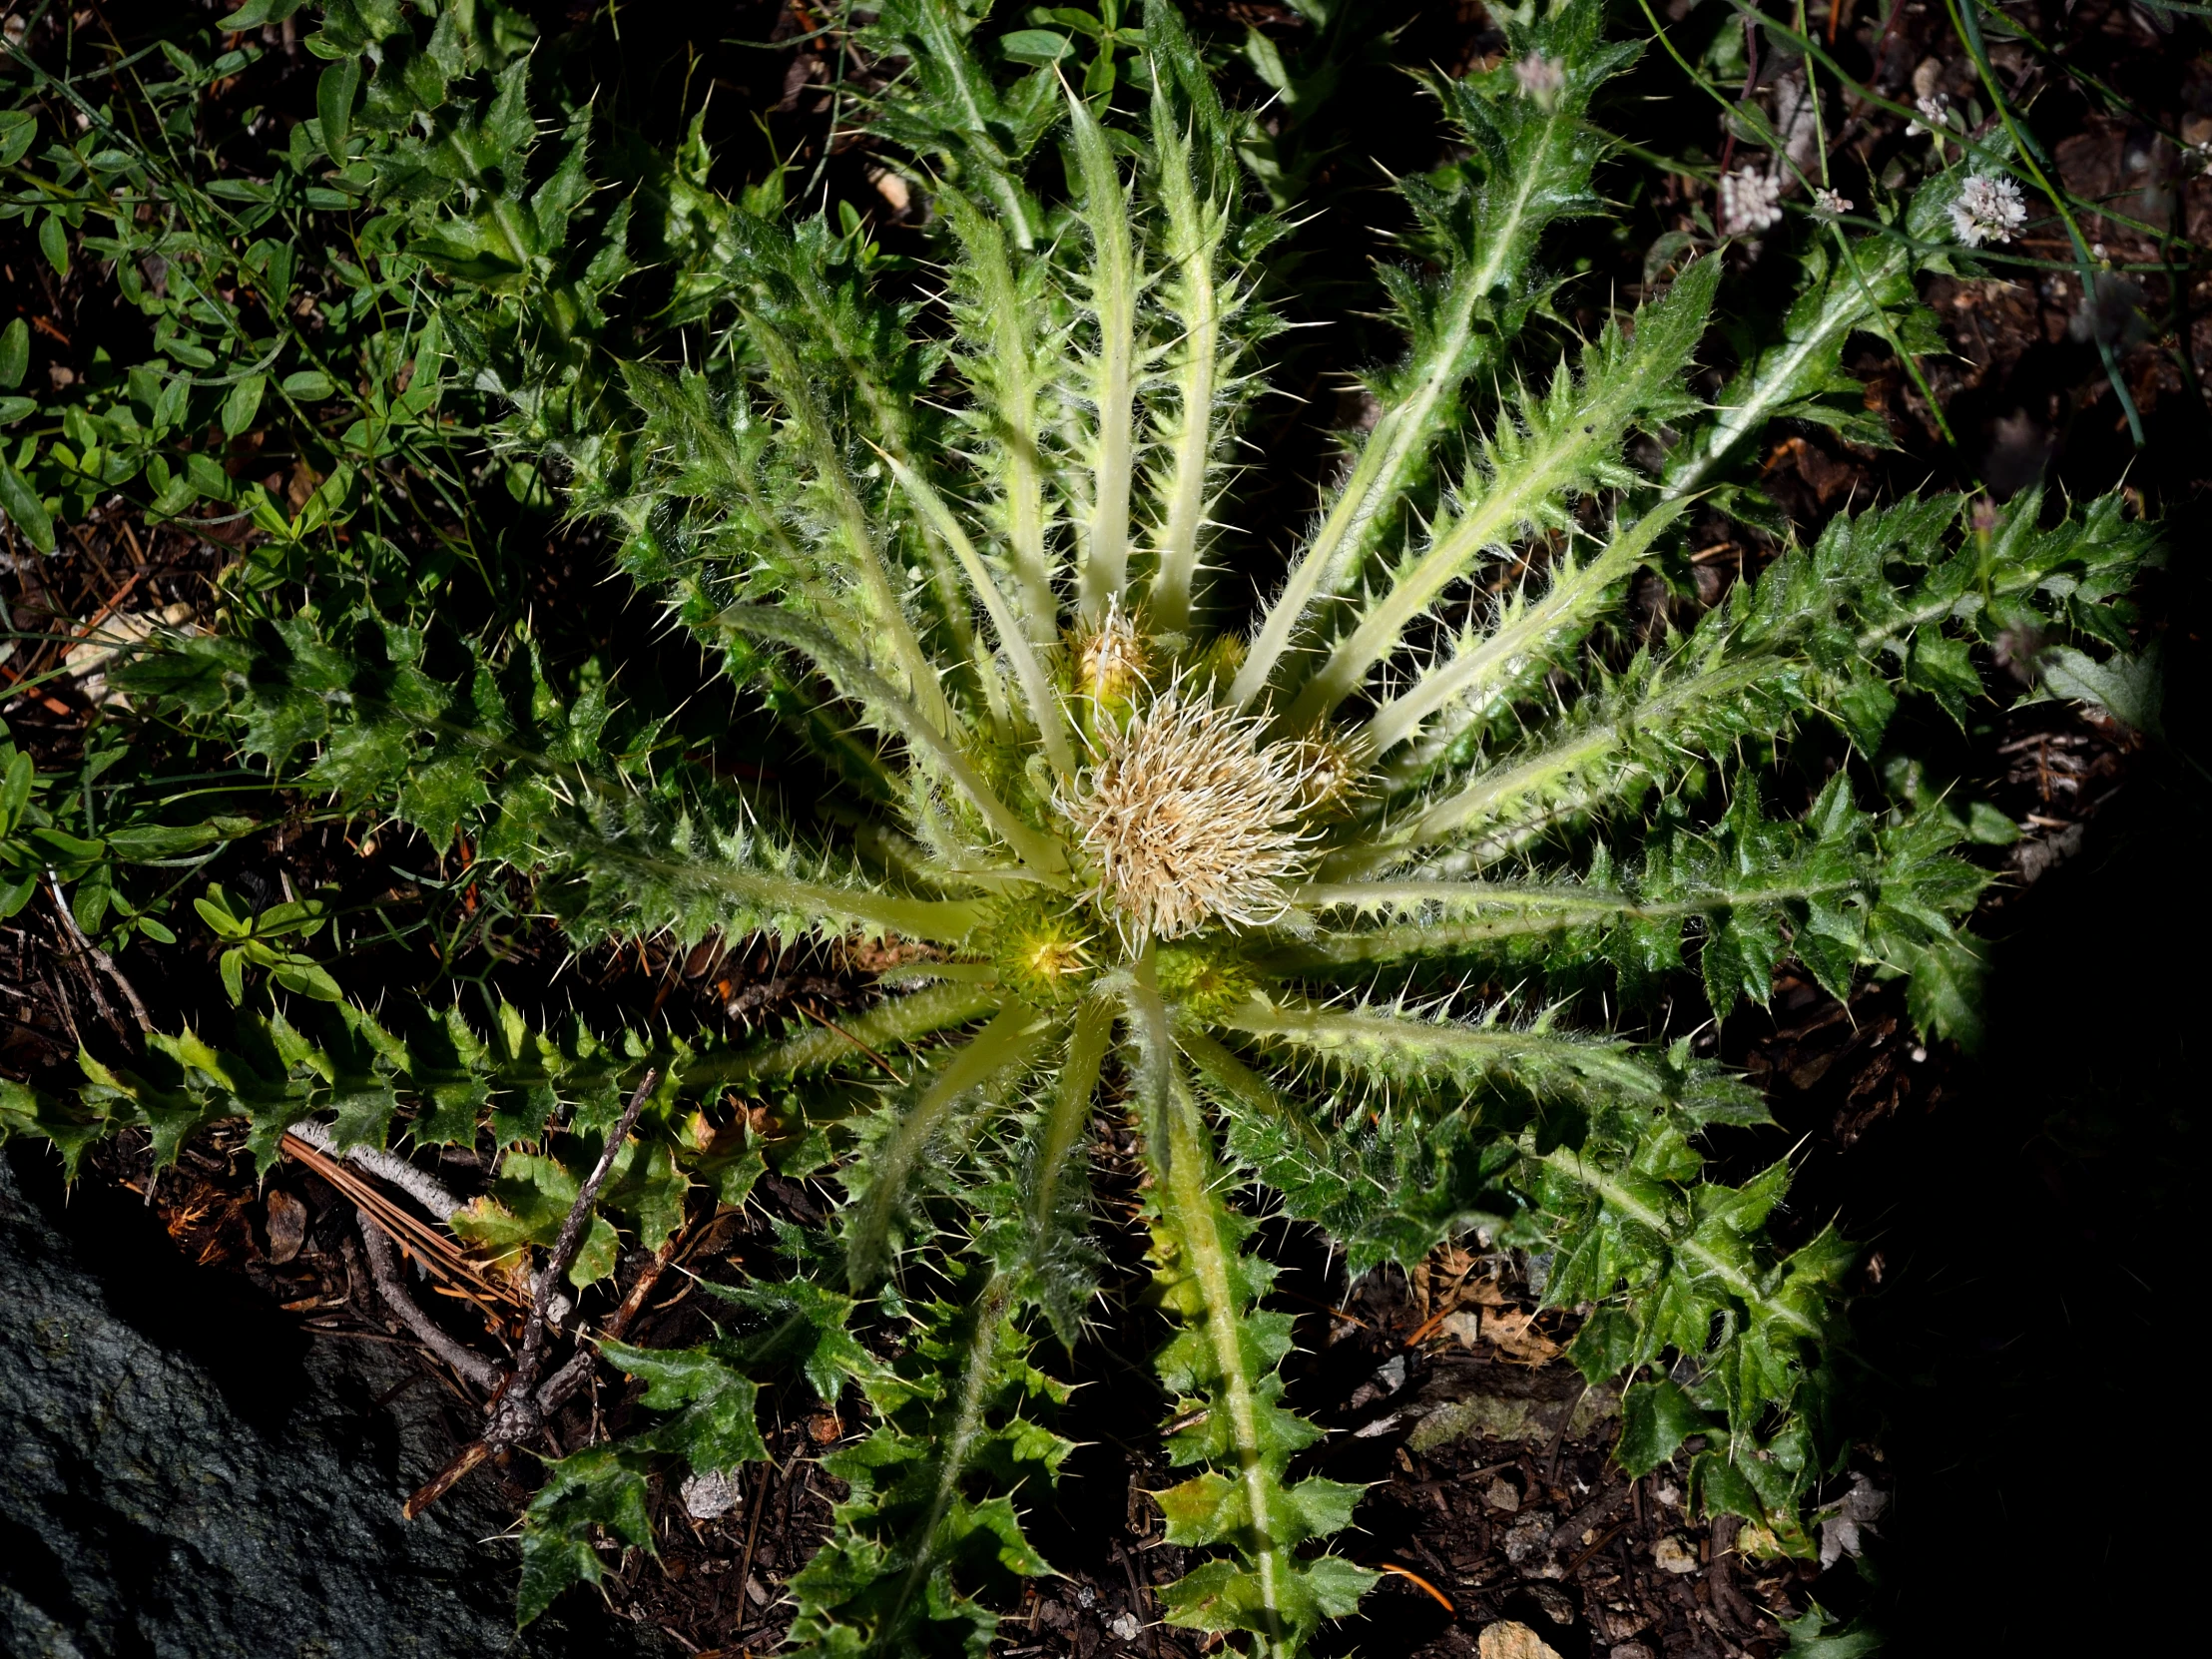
pixel 17 129
pixel 215 909
pixel 714 1427
pixel 1817 1634
pixel 53 241
pixel 2128 688
pixel 333 96
pixel 15 789
pixel 24 509
pixel 254 13
pixel 15 353
pixel 209 479
pixel 1035 46
pixel 596 1492
pixel 242 403
pixel 526 1206
pixel 145 842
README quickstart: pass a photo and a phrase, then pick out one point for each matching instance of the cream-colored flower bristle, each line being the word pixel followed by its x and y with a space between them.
pixel 1190 820
pixel 1110 659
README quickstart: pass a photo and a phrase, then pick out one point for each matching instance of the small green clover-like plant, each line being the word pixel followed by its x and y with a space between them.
pixel 252 939
pixel 284 304
pixel 1048 41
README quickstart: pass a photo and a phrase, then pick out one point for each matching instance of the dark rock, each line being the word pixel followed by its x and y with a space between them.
pixel 184 1473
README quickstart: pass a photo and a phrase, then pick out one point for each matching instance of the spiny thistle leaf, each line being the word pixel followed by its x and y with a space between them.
pixel 911 1548
pixel 1849 287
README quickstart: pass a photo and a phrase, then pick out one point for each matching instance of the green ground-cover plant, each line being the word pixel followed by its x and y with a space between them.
pixel 74 833
pixel 1328 898
pixel 295 397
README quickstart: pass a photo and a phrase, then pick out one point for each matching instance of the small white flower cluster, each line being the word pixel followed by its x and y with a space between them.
pixel 1935 115
pixel 1831 202
pixel 1987 209
pixel 1750 201
pixel 1540 78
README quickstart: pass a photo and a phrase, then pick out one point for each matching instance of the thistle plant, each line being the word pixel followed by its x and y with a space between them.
pixel 1328 895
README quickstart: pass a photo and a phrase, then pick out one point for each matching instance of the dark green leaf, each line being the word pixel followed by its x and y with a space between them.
pixel 714 1428
pixel 209 479
pixel 15 353
pixel 53 241
pixel 256 13
pixel 24 509
pixel 243 404
pixel 1655 1419
pixel 1035 46
pixel 1818 1635
pixel 333 96
pixel 597 1492
pixel 17 129
pixel 2129 689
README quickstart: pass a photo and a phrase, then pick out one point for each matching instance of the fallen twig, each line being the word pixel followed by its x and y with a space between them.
pixel 426 1190
pixel 635 1300
pixel 384 1267
pixel 29 685
pixel 1590 1516
pixel 1421 1583
pixel 105 962
pixel 1599 1542
pixel 517 1415
pixel 519 1406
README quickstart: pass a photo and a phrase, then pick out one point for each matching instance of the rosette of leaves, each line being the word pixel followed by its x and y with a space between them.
pixel 1226 877
pixel 1227 873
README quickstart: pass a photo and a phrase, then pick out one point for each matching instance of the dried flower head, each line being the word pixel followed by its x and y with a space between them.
pixel 1110 657
pixel 1987 209
pixel 1191 821
pixel 1750 201
pixel 1831 202
pixel 1539 77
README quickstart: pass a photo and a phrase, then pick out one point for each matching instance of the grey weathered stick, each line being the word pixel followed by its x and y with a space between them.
pixel 552 1394
pixel 555 1390
pixel 425 1189
pixel 517 1414
pixel 384 1267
